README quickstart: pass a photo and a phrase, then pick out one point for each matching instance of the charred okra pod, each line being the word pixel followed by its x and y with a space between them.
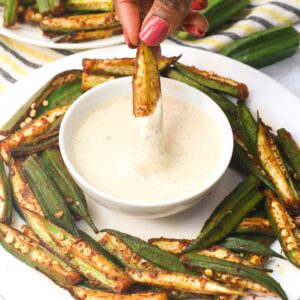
pixel 255 225
pixel 73 195
pixel 10 12
pixel 22 194
pixel 80 22
pixel 89 5
pixel 226 105
pixel 290 149
pixel 83 36
pixel 174 246
pixel 5 196
pixel 273 164
pixel 217 265
pixel 36 256
pixel 81 255
pixel 228 214
pixel 284 227
pixel 29 132
pixel 91 80
pixel 46 192
pixel 214 81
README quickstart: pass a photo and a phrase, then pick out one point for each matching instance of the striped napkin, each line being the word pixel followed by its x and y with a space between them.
pixel 261 15
pixel 18 59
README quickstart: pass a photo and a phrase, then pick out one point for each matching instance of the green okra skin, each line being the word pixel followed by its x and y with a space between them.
pixel 56 7
pixel 225 104
pixel 79 6
pixel 43 6
pixel 221 11
pixel 71 23
pixel 10 12
pixel 248 161
pixel 36 256
pixel 218 265
pixel 265 47
pixel 71 192
pixel 290 149
pixel 34 148
pixel 5 196
pixel 248 126
pixel 49 197
pixel 151 253
pixel 237 244
pixel 81 255
pixel 228 214
pixel 213 81
pixel 38 100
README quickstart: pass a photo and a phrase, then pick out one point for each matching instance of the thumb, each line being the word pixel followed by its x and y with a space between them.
pixel 162 19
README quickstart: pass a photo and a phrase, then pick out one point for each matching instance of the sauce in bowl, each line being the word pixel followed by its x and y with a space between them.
pixel 111 155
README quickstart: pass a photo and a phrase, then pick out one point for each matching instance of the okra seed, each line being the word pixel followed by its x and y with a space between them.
pixel 18 245
pixel 289 240
pixel 122 246
pixel 60 236
pixel 33 113
pixel 59 214
pixel 87 251
pixel 9 238
pixel 33 106
pixel 81 246
pixel 234 280
pixel 48 261
pixel 41 258
pixel 284 232
pixel 290 247
pixel 54 262
pixel 81 295
pixel 45 103
pixel 22 125
pixel 24 249
pixel 208 272
pixel 28 120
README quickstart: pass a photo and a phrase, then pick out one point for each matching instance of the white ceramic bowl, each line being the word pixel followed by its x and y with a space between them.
pixel 122 87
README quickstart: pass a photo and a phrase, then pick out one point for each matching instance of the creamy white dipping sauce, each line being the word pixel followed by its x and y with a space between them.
pixel 110 153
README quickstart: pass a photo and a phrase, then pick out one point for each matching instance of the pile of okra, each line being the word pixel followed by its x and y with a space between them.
pixel 66 21
pixel 225 261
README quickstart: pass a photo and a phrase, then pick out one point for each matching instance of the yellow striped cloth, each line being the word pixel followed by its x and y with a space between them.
pixel 18 59
pixel 262 14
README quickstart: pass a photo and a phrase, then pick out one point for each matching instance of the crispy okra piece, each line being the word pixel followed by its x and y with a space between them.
pixel 34 148
pixel 37 256
pixel 255 225
pixel 47 193
pixel 183 282
pixel 194 260
pixel 228 214
pixel 214 81
pixel 81 293
pixel 273 164
pixel 30 131
pixel 120 66
pixel 26 230
pixel 41 98
pixel 5 196
pixel 226 105
pixel 145 82
pixel 31 15
pixel 290 149
pixel 91 80
pixel 80 22
pixel 83 36
pixel 81 255
pixel 23 196
pixel 174 246
pixel 56 169
pixel 284 227
pixel 80 6
pixel 10 12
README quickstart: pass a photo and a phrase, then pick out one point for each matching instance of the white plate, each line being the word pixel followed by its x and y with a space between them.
pixel 32 34
pixel 277 106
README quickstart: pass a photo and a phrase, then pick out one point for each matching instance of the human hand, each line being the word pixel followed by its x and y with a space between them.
pixel 162 18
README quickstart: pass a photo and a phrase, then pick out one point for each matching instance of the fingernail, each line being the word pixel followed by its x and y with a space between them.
pixel 129 44
pixel 154 31
pixel 193 30
pixel 197 6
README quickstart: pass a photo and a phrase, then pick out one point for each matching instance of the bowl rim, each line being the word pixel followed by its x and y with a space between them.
pixel 91 190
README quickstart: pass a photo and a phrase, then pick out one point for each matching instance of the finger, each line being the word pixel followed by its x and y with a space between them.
pixel 198 5
pixel 128 12
pixel 195 24
pixel 163 19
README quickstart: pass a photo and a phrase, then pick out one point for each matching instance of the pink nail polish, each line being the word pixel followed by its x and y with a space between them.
pixel 154 31
pixel 193 30
pixel 127 40
pixel 197 5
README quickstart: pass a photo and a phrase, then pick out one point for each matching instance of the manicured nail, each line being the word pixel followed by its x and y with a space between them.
pixel 193 30
pixel 154 31
pixel 129 44
pixel 197 5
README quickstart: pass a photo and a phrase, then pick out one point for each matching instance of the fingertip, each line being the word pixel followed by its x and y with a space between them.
pixel 197 5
